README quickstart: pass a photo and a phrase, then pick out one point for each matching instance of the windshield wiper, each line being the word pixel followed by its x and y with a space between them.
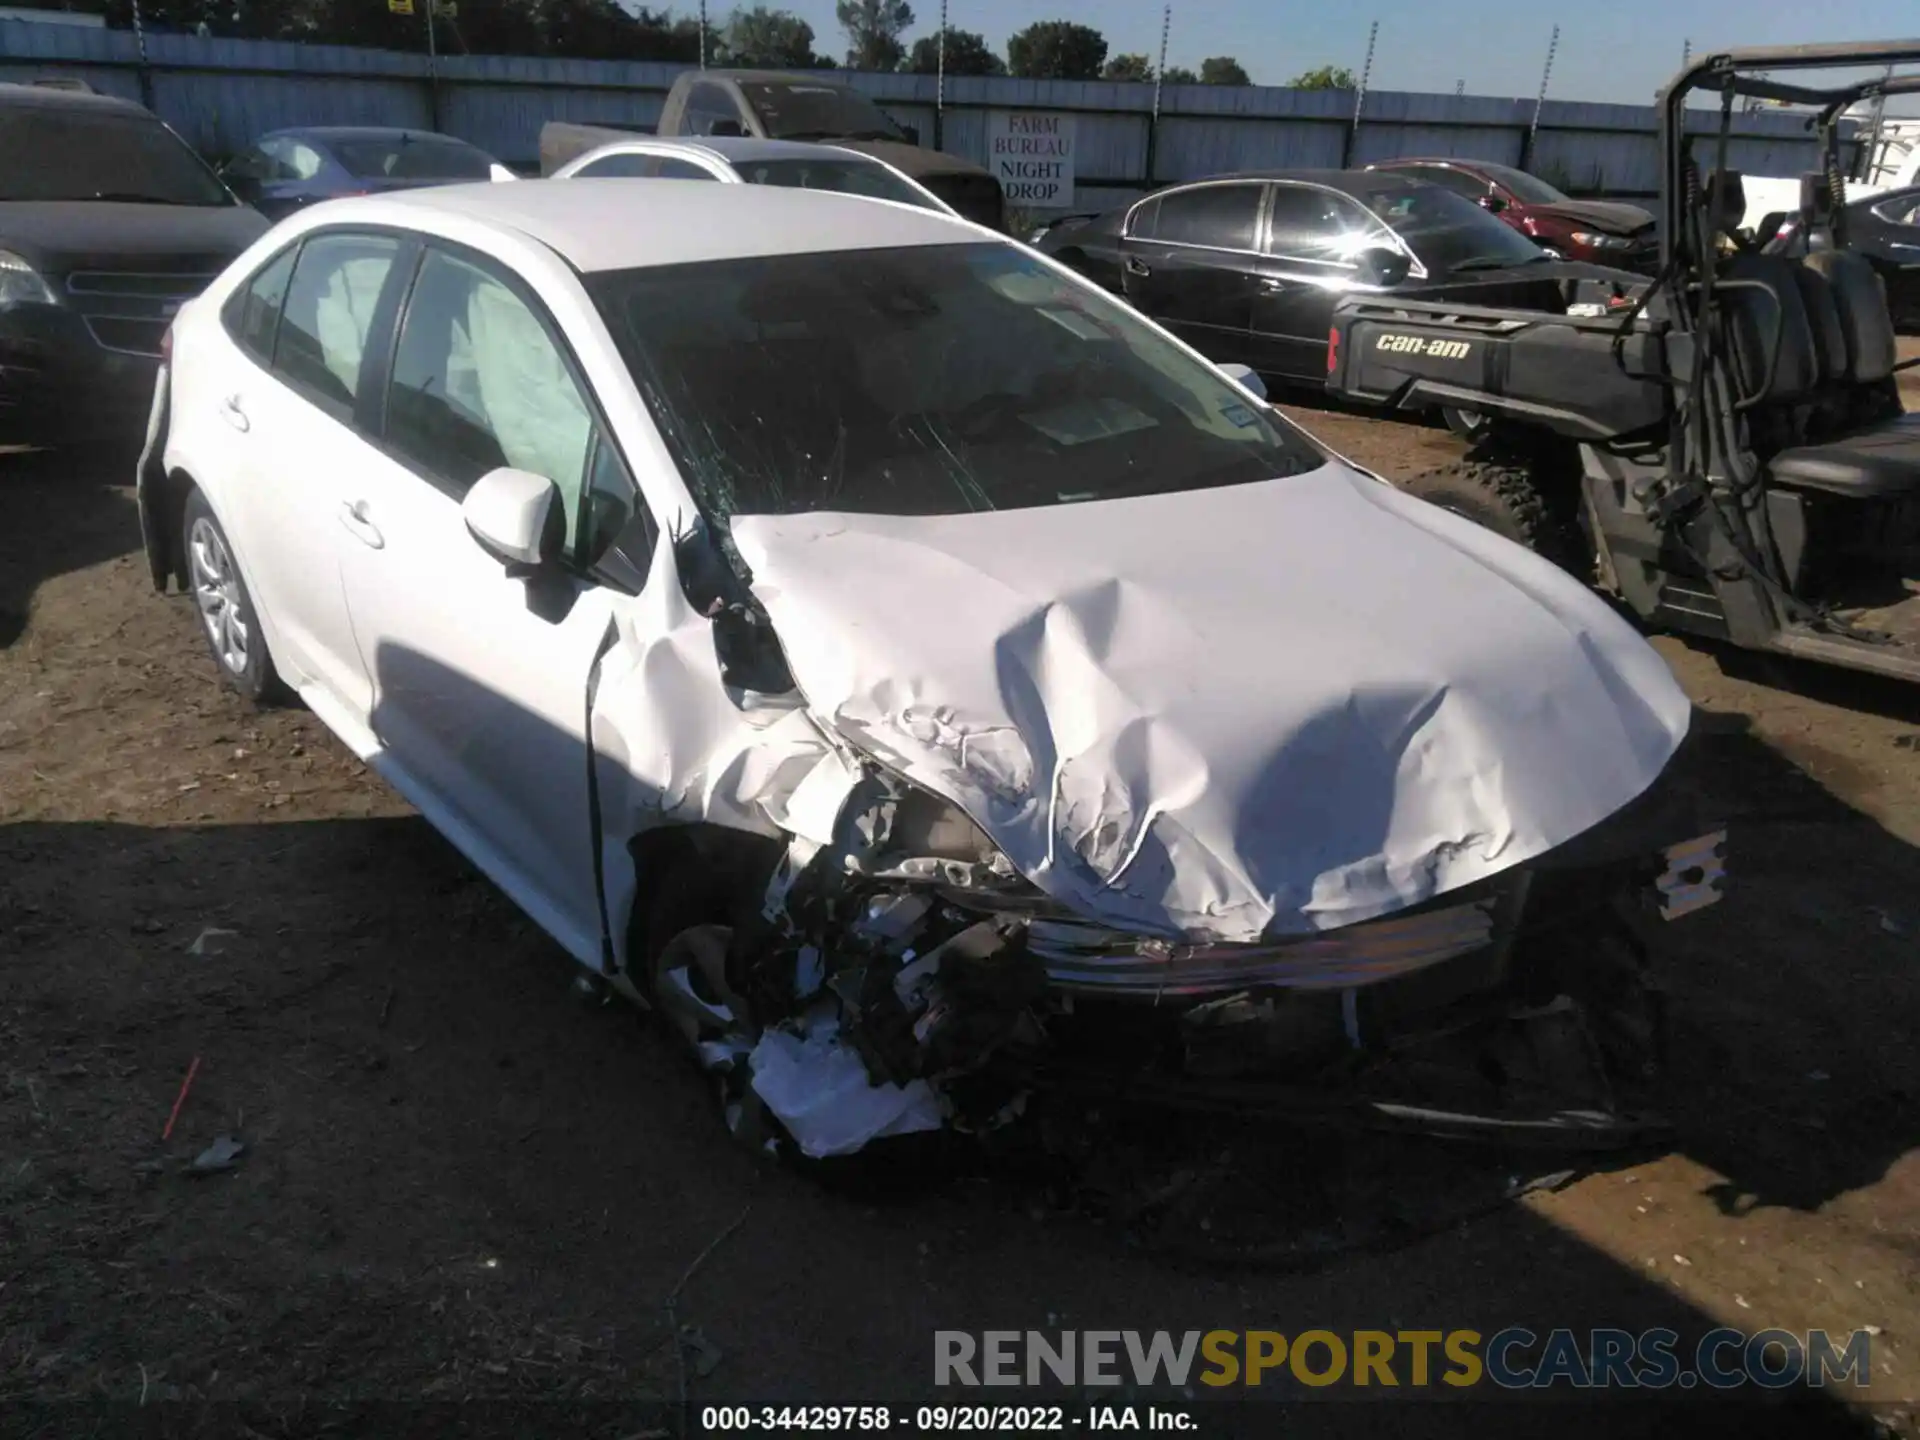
pixel 1499 262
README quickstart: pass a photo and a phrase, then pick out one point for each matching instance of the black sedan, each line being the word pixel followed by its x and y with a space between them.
pixel 1886 230
pixel 1248 268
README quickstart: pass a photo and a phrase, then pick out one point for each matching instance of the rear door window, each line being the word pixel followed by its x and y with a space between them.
pixel 1219 217
pixel 328 315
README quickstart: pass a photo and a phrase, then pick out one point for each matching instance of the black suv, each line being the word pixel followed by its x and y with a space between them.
pixel 108 224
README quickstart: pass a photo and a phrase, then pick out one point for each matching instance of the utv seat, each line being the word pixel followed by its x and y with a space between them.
pixel 1880 462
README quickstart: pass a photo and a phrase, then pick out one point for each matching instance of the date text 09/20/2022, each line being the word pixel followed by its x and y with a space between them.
pixel 945 1419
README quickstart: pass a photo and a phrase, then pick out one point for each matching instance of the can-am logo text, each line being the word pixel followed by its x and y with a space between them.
pixel 1420 345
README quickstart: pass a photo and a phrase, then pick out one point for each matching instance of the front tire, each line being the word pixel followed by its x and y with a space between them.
pixel 1498 497
pixel 228 620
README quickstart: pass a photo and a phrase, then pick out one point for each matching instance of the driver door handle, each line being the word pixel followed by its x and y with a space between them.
pixel 1138 267
pixel 353 515
pixel 231 412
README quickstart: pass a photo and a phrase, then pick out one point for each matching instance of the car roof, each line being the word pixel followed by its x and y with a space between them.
pixel 361 132
pixel 47 97
pixel 742 148
pixel 1352 182
pixel 780 77
pixel 622 224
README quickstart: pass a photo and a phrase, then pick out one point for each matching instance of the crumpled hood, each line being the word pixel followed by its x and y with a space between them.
pixel 1607 216
pixel 1254 710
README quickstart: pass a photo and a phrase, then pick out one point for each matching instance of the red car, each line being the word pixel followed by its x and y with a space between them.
pixel 1602 231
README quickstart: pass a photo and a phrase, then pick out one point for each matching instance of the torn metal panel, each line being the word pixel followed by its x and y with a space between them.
pixel 1174 732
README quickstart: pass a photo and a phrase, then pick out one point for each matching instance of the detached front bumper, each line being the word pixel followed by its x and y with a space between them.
pixel 952 1002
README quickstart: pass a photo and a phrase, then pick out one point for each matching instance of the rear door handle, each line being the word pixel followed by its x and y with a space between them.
pixel 1267 282
pixel 231 412
pixel 1138 267
pixel 353 515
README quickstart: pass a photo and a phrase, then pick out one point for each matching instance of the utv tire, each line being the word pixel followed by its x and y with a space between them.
pixel 1500 498
pixel 224 606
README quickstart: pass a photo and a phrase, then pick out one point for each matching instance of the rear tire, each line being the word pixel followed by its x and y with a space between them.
pixel 1470 425
pixel 1498 497
pixel 229 623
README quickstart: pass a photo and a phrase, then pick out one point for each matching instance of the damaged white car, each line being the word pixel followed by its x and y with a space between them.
pixel 917 675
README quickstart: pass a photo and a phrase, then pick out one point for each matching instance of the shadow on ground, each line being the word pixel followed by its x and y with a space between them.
pixel 57 515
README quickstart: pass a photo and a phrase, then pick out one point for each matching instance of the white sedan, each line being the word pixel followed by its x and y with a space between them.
pixel 748 160
pixel 872 645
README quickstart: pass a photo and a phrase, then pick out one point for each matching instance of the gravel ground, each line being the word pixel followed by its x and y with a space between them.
pixel 461 1184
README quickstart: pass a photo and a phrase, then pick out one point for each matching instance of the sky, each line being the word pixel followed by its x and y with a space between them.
pixel 1622 50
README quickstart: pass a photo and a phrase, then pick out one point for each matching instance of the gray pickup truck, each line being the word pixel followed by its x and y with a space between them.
pixel 775 105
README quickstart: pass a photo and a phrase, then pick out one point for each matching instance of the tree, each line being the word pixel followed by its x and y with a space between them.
pixel 1223 70
pixel 1327 77
pixel 1136 68
pixel 776 39
pixel 873 32
pixel 967 54
pixel 1057 50
pixel 1178 75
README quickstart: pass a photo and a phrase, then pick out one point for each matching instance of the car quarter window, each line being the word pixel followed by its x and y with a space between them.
pixel 1902 210
pixel 479 382
pixel 252 313
pixel 1143 221
pixel 627 164
pixel 1308 223
pixel 329 312
pixel 1222 217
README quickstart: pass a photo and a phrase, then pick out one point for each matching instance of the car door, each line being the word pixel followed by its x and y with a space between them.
pixel 286 402
pixel 1306 265
pixel 1888 234
pixel 1188 261
pixel 481 676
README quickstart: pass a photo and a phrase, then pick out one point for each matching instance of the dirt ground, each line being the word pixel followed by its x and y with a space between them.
pixel 463 1184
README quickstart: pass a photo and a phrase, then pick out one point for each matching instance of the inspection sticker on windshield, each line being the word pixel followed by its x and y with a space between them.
pixel 1421 345
pixel 1238 415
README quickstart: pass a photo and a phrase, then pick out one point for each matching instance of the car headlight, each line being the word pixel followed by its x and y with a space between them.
pixel 20 283
pixel 1595 241
pixel 1039 234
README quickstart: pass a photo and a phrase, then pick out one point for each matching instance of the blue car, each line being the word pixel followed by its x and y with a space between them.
pixel 286 170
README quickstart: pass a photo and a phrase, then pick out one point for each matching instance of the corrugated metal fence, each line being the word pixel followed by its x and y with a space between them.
pixel 222 93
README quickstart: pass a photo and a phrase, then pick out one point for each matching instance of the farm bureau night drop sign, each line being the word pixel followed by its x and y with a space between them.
pixel 1031 155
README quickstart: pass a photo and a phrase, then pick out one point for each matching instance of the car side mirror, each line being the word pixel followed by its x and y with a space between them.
pixel 726 127
pixel 1380 266
pixel 517 517
pixel 1492 203
pixel 1245 378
